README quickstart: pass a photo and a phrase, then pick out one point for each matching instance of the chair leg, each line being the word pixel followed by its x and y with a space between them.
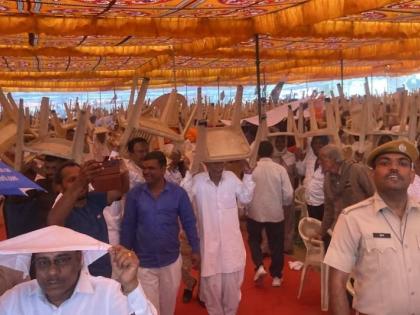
pixel 302 279
pixel 324 287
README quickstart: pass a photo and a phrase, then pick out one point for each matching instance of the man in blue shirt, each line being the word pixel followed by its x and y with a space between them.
pixel 150 227
pixel 81 210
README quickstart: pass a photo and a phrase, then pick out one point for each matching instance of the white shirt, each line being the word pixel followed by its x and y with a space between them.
pixel 307 166
pixel 113 217
pixel 221 244
pixel 314 179
pixel 92 296
pixel 288 157
pixel 135 173
pixel 272 190
pixel 314 190
pixel 414 188
pixel 173 176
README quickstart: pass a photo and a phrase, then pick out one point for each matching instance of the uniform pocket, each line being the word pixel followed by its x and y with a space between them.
pixel 380 245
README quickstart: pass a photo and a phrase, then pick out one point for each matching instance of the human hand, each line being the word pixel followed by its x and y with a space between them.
pixel 89 170
pixel 124 265
pixel 195 260
pixel 246 167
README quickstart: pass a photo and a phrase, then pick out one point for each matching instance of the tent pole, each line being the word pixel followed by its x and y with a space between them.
pixel 257 64
pixel 342 72
pixel 218 90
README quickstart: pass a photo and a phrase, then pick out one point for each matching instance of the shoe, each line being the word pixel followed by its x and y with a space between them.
pixel 201 303
pixel 187 296
pixel 260 274
pixel 277 281
pixel 188 293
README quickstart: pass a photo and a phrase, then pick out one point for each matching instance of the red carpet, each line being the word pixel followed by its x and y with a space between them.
pixel 267 300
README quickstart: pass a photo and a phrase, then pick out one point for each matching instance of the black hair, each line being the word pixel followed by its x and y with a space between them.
pixel 132 143
pixel 51 158
pixel 158 156
pixel 58 176
pixel 265 149
pixel 324 139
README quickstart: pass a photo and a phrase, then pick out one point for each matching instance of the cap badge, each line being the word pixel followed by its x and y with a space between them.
pixel 402 148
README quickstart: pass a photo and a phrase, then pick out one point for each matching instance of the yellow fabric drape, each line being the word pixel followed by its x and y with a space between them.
pixel 308 13
pixel 298 73
pixel 213 48
pixel 312 12
pixel 352 29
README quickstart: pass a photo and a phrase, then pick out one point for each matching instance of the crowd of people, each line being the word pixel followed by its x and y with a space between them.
pixel 162 220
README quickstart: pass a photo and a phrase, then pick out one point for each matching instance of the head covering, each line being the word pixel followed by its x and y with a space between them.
pixel 16 252
pixel 397 146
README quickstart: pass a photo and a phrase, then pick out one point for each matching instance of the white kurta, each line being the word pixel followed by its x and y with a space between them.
pixel 221 244
pixel 135 173
pixel 92 295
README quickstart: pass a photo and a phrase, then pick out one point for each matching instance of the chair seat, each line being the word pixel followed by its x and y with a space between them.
pixel 156 127
pixel 51 146
pixel 226 143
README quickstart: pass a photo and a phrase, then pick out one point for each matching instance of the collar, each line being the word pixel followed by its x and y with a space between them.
pixel 145 188
pixel 207 177
pixel 379 204
pixel 83 286
pixel 265 159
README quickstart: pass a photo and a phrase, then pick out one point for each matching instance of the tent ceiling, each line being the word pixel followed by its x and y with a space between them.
pixel 103 44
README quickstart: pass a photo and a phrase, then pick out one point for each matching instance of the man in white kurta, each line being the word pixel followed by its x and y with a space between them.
pixel 222 248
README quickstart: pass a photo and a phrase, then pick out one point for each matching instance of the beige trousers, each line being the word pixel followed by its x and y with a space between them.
pixel 160 285
pixel 222 292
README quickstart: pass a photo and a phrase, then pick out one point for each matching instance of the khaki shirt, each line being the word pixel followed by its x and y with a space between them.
pixel 351 185
pixel 386 270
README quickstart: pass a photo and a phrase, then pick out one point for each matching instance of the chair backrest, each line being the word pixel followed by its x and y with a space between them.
pixel 300 195
pixel 308 229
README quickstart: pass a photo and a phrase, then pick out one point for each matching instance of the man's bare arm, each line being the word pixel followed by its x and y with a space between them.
pixel 62 209
pixel 339 304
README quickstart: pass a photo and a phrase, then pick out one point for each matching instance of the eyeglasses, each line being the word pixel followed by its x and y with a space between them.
pixel 59 262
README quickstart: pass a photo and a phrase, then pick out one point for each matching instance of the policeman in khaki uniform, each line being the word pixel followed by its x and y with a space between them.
pixel 378 240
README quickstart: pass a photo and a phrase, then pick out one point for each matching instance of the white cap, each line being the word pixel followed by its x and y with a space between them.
pixel 16 252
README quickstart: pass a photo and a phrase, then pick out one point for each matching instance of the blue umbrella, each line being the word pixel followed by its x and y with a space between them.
pixel 14 183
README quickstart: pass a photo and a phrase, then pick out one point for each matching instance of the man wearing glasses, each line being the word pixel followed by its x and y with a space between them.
pixel 63 284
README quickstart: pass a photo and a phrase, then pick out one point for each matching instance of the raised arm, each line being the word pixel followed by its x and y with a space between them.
pixel 77 186
pixel 115 195
pixel 245 189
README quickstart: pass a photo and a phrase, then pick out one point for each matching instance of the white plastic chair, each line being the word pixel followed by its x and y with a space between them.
pixel 315 252
pixel 300 201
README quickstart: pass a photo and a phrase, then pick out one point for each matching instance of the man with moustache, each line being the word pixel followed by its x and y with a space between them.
pixel 61 283
pixel 150 227
pixel 81 210
pixel 378 240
